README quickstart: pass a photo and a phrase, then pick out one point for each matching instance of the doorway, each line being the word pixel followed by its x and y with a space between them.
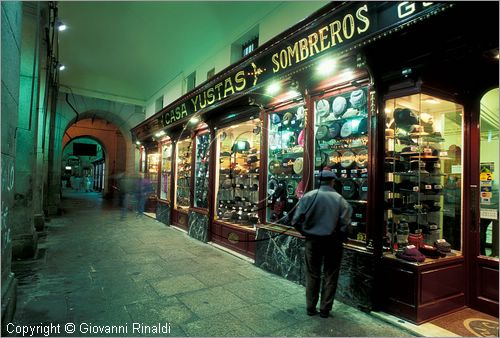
pixel 484 251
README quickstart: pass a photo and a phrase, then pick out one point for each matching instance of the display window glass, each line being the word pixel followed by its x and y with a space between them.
pixel 201 170
pixel 488 174
pixel 423 175
pixel 142 166
pixel 238 173
pixel 285 163
pixel 341 145
pixel 166 171
pixel 153 161
pixel 183 182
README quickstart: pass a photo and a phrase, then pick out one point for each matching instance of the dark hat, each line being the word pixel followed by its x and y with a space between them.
pixel 405 118
pixel 349 189
pixel 326 175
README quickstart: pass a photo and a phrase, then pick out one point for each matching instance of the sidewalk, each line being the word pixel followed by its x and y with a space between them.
pixel 102 274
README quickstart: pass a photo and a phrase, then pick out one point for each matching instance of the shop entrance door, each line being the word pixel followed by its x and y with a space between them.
pixel 483 239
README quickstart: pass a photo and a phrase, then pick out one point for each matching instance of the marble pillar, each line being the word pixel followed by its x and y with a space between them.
pixel 198 226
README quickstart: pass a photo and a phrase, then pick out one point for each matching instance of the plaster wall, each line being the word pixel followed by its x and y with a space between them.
pixel 285 15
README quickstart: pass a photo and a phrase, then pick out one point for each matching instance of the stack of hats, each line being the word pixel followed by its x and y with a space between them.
pixel 430 251
pixel 411 254
pixel 443 247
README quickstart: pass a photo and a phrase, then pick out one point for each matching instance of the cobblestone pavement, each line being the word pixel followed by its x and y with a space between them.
pixel 101 273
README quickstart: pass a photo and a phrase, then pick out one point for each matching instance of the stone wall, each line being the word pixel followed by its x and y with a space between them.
pixel 11 53
pixel 163 213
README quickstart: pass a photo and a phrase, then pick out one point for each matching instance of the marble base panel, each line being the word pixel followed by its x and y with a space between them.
pixel 356 279
pixel 198 226
pixel 280 254
pixel 284 256
pixel 163 213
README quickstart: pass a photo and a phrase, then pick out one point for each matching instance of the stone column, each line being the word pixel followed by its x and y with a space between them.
pixel 11 55
pixel 24 234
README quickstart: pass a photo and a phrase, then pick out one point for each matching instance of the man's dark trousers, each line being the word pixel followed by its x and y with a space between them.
pixel 326 251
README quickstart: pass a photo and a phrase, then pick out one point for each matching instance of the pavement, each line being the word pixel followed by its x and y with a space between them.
pixel 95 275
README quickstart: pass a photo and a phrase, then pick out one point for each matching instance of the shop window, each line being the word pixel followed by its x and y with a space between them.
pixel 423 170
pixel 153 161
pixel 159 103
pixel 201 170
pixel 238 174
pixel 183 174
pixel 190 81
pixel 488 174
pixel 285 163
pixel 210 73
pixel 166 171
pixel 142 165
pixel 341 145
pixel 249 46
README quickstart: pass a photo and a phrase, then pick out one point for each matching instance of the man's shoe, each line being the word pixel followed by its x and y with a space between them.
pixel 324 314
pixel 312 312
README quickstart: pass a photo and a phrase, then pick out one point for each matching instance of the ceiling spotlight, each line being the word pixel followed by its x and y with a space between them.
pixel 138 143
pixel 160 133
pixel 61 67
pixel 194 120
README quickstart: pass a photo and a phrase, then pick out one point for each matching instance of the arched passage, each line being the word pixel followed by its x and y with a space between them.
pixel 110 151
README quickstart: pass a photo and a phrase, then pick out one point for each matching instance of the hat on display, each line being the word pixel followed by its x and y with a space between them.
pixel 363 126
pixel 299 189
pixel 290 188
pixel 334 159
pixel 326 175
pixel 358 98
pixel 346 129
pixel 321 160
pixel 350 112
pixel 298 165
pixel 300 114
pixel 322 132
pixel 274 167
pixel 363 190
pixel 287 119
pixel 339 105
pixel 349 189
pixel 362 158
pixel 275 118
pixel 411 254
pixel 322 107
pixel 430 251
pixel 348 159
pixel 300 138
pixel 405 118
pixel 443 247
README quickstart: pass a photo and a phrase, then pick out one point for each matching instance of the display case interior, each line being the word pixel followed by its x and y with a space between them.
pixel 153 161
pixel 423 174
pixel 166 171
pixel 202 170
pixel 183 192
pixel 341 145
pixel 285 163
pixel 238 173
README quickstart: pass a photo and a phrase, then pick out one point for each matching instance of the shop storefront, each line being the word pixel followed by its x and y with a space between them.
pixel 354 89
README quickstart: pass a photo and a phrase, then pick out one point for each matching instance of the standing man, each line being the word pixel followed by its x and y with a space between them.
pixel 323 217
